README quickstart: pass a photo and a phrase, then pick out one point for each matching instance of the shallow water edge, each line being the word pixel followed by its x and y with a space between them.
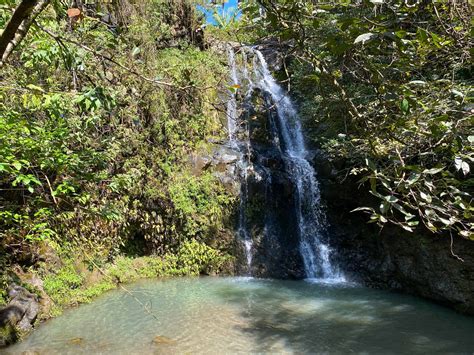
pixel 242 315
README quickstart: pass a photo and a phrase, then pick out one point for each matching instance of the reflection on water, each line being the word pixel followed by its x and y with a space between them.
pixel 242 315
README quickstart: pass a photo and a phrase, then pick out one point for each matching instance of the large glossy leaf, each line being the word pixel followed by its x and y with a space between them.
pixel 363 38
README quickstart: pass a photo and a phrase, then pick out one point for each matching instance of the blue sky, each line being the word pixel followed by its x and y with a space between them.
pixel 228 7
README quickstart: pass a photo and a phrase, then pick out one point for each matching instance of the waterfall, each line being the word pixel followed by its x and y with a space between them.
pixel 232 102
pixel 310 217
pixel 286 132
pixel 243 164
pixel 242 227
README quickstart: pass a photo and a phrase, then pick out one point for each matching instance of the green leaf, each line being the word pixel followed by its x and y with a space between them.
pixel 34 87
pixel 391 199
pixel 426 197
pixel 433 171
pixel 401 33
pixel 446 222
pixel 17 165
pixel 364 38
pixel 234 87
pixel 135 51
pixel 461 165
pixel 404 106
pixel 407 228
pixel 457 93
pixel 414 177
pixel 418 83
pixel 369 209
pixel 402 210
pixel 370 164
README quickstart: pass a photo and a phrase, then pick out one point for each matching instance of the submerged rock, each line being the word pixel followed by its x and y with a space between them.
pixel 160 339
pixel 76 341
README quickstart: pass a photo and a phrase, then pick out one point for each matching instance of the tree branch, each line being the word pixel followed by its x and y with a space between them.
pixel 110 59
pixel 18 26
pixel 21 12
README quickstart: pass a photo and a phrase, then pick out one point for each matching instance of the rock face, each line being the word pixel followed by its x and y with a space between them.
pixel 274 52
pixel 267 212
pixel 19 314
pixel 271 219
pixel 222 162
pixel 251 166
pixel 419 263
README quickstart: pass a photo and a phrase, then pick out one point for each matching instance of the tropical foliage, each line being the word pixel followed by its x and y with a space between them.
pixel 98 117
pixel 386 86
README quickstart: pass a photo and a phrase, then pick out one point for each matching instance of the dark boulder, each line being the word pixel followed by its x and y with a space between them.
pixel 18 315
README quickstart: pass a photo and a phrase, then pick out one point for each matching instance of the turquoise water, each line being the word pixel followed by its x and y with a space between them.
pixel 241 315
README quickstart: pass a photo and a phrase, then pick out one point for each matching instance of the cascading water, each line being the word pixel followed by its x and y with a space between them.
pixel 287 139
pixel 232 102
pixel 310 217
pixel 243 164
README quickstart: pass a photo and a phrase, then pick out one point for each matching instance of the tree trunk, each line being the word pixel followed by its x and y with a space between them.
pixel 18 26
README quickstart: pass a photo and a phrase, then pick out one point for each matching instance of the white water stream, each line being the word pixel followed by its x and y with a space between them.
pixel 288 137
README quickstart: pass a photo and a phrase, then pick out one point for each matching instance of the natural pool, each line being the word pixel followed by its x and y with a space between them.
pixel 243 315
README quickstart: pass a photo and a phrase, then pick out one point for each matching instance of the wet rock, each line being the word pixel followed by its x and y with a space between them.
pixel 222 46
pixel 19 314
pixel 274 52
pixel 45 301
pixel 257 172
pixel 225 155
pixel 8 335
pixel 270 217
pixel 229 158
pixel 200 163
pixel 222 162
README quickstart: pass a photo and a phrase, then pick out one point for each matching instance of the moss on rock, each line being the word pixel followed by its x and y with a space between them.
pixel 8 335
